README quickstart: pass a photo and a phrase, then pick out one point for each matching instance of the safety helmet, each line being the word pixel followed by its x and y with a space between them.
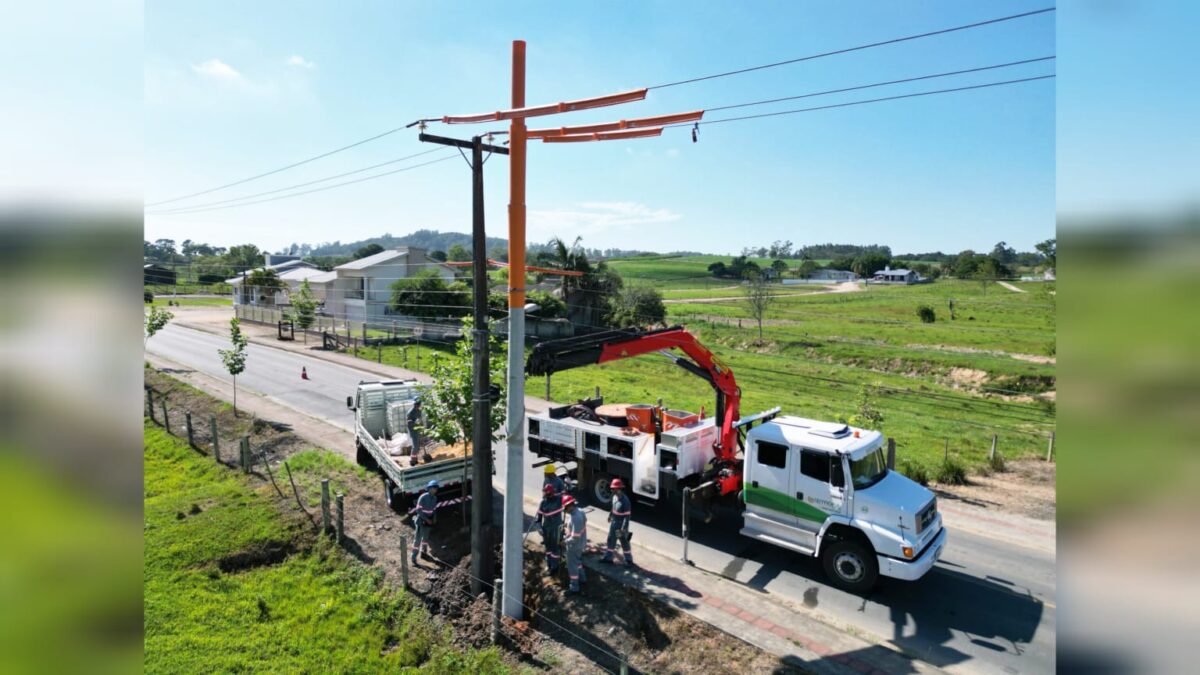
pixel 549 470
pixel 547 489
pixel 568 501
pixel 616 484
pixel 432 484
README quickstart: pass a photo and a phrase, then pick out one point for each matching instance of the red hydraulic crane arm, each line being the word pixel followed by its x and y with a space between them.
pixel 555 355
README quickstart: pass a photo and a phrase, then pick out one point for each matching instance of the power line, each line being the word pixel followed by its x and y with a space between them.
pixel 880 84
pixel 321 189
pixel 854 49
pixel 297 185
pixel 872 100
pixel 275 171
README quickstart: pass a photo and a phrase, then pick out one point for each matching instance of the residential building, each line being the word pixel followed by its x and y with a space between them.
pixel 827 274
pixel 899 276
pixel 290 272
pixel 362 289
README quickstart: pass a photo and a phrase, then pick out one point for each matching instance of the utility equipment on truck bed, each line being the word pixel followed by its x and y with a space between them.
pixel 817 488
pixel 380 423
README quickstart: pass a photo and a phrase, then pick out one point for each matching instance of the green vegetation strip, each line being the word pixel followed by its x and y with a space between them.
pixel 234 582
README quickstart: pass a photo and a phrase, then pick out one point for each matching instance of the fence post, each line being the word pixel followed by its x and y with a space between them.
pixel 547 386
pixel 245 454
pixel 1050 448
pixel 687 496
pixel 166 419
pixel 992 452
pixel 624 663
pixel 150 404
pixel 187 419
pixel 340 522
pixel 404 560
pixel 379 352
pixel 946 454
pixel 324 506
pixel 891 454
pixel 418 355
pixel 497 603
pixel 216 441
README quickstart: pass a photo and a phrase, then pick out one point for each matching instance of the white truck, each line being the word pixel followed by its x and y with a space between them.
pixel 818 488
pixel 380 422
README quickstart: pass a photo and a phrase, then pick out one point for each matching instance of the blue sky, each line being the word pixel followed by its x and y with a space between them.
pixel 235 88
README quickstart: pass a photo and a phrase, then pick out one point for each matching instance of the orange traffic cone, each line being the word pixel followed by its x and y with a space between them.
pixel 303 373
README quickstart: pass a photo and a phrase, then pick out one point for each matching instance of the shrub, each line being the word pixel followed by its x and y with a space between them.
pixel 916 472
pixel 950 472
pixel 996 463
pixel 147 296
pixel 926 314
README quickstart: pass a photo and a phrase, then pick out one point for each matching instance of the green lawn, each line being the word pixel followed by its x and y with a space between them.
pixel 316 610
pixel 214 301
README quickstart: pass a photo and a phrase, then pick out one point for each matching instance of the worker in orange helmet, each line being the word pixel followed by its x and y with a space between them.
pixel 618 523
pixel 575 534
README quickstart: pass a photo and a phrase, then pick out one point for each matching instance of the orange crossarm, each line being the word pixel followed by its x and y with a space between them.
pixel 658 121
pixel 605 136
pixel 549 109
pixel 499 263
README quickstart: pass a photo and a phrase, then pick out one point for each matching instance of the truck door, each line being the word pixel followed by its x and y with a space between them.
pixel 768 493
pixel 818 487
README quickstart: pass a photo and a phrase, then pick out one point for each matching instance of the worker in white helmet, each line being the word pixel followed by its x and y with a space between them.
pixel 575 536
pixel 618 523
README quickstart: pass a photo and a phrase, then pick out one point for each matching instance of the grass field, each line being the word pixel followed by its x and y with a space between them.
pixel 215 301
pixel 313 610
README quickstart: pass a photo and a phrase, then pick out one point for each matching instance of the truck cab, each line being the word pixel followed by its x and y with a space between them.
pixel 824 489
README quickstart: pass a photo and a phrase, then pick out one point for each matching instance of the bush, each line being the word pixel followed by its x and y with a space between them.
pixel 926 314
pixel 916 472
pixel 950 472
pixel 147 296
pixel 996 463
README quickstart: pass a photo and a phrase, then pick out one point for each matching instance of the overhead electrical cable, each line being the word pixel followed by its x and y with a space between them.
pixel 847 50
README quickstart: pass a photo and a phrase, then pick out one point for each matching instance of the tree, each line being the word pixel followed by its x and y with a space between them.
pixel 264 283
pixel 637 306
pixel 234 359
pixel 427 295
pixel 587 296
pixel 244 257
pixel 758 299
pixel 1049 250
pixel 926 314
pixel 439 256
pixel 368 250
pixel 868 264
pixel 807 269
pixel 304 306
pixel 750 268
pixel 718 269
pixel 866 414
pixel 448 403
pixel 458 253
pixel 987 271
pixel 156 320
pixel 1003 253
pixel 780 266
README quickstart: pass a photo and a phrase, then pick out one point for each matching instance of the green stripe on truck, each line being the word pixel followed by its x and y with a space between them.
pixel 778 501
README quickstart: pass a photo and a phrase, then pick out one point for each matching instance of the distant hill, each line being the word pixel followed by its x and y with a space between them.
pixel 427 239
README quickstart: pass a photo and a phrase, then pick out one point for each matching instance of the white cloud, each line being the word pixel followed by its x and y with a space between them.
pixel 595 217
pixel 217 69
pixel 672 152
pixel 300 62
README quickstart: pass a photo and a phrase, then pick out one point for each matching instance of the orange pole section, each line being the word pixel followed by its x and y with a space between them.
pixel 660 120
pixel 516 198
pixel 549 108
pixel 605 136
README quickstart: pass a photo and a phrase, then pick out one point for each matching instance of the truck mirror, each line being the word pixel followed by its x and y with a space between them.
pixel 350 402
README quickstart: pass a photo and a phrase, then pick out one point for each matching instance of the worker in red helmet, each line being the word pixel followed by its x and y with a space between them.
pixel 618 523
pixel 550 517
pixel 575 535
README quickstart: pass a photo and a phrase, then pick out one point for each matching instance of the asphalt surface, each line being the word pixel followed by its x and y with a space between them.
pixel 987 606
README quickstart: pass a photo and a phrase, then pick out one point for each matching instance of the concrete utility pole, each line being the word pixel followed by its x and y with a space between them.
pixel 482 557
pixel 512 575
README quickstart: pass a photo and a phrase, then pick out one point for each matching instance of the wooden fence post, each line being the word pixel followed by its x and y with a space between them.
pixel 339 524
pixel 379 351
pixel 404 560
pixel 324 506
pixel 187 419
pixel 150 404
pixel 1050 447
pixel 216 440
pixel 891 454
pixel 245 454
pixel 992 453
pixel 166 419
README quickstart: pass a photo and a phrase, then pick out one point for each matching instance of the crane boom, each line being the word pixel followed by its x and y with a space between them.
pixel 557 355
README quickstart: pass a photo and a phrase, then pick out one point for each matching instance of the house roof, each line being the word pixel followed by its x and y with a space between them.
pixel 323 277
pixel 372 260
pixel 301 273
pixel 289 264
pixel 900 272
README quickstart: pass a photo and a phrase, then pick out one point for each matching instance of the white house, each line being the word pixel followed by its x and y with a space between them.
pixel 287 271
pixel 361 289
pixel 900 276
pixel 834 275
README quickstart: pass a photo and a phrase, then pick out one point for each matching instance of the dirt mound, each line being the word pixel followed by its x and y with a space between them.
pixel 450 597
pixel 260 554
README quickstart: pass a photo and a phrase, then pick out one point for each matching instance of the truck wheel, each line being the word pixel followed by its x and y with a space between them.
pixel 394 501
pixel 850 565
pixel 363 457
pixel 600 492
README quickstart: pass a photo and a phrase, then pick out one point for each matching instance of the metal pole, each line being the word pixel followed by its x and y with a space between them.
pixel 547 386
pixel 482 556
pixel 404 559
pixel 1050 448
pixel 339 524
pixel 891 454
pixel 324 506
pixel 687 495
pixel 514 484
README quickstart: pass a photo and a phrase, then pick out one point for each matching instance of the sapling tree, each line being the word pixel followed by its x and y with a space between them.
pixel 304 306
pixel 758 299
pixel 234 359
pixel 448 402
pixel 156 320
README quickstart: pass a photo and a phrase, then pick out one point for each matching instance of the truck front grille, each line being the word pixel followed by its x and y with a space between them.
pixel 926 515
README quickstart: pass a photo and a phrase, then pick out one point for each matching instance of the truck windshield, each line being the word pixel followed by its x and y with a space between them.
pixel 869 470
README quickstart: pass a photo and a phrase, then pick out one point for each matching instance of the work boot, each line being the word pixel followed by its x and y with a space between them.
pixel 414 558
pixel 629 561
pixel 607 559
pixel 573 589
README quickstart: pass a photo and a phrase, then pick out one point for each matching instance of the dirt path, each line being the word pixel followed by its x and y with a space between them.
pixel 844 287
pixel 1010 287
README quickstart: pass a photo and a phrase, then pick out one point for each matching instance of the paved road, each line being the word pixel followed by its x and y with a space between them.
pixel 988 605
